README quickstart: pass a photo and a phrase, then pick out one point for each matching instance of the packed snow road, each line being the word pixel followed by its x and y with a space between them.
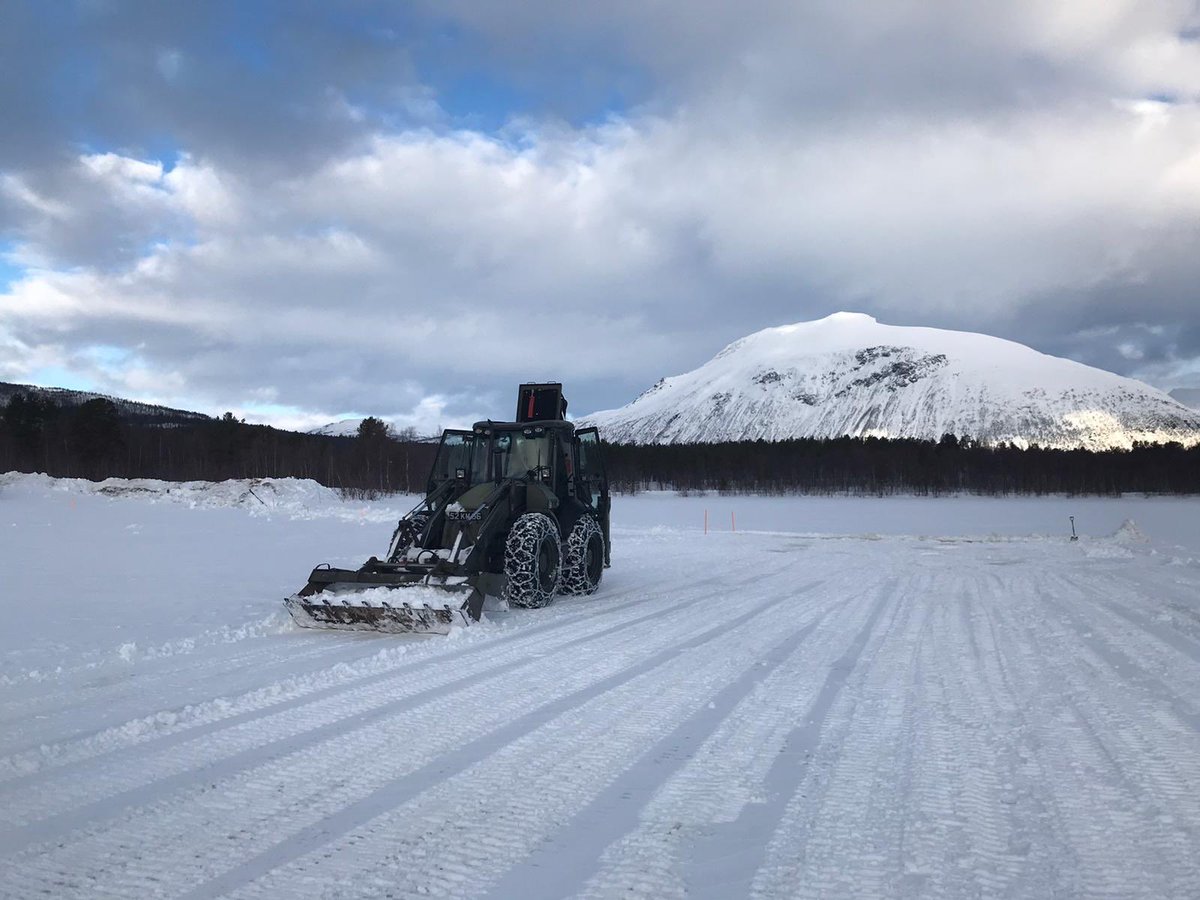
pixel 733 715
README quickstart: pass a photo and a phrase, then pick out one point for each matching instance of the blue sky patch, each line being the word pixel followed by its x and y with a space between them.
pixel 57 376
pixel 108 356
pixel 481 102
pixel 10 272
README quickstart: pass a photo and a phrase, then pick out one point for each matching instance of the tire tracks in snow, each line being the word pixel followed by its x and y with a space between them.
pixel 726 776
pixel 838 831
pixel 998 731
pixel 198 662
pixel 957 838
pixel 196 679
pixel 346 731
pixel 1104 595
pixel 575 854
pixel 159 722
pixel 521 796
pixel 1124 803
pixel 343 707
pixel 782 781
pixel 450 765
pixel 1133 673
pixel 186 723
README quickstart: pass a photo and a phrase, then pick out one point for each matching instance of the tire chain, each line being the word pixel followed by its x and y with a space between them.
pixel 575 575
pixel 524 584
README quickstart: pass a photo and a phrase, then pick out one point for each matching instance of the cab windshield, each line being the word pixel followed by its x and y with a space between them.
pixel 479 457
pixel 462 455
pixel 515 454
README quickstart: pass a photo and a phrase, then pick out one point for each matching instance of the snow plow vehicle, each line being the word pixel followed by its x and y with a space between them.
pixel 513 510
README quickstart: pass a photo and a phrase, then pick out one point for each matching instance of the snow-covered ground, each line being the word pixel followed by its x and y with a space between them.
pixel 899 697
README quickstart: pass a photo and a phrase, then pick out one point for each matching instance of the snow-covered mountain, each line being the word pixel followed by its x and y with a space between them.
pixel 130 410
pixel 340 428
pixel 349 428
pixel 848 374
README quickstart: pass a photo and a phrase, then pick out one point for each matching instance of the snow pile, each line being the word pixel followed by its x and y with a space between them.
pixel 847 374
pixel 416 596
pixel 294 497
pixel 1129 533
pixel 275 623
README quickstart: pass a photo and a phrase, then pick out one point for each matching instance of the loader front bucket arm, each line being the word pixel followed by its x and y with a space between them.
pixel 413 527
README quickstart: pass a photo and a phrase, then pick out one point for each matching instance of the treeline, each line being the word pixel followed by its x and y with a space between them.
pixel 883 466
pixel 93 441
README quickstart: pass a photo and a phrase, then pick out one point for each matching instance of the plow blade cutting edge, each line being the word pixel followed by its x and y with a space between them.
pixel 358 601
pixel 342 614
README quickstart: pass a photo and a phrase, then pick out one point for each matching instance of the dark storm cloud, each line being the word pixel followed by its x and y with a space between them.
pixel 828 57
pixel 1145 324
pixel 259 81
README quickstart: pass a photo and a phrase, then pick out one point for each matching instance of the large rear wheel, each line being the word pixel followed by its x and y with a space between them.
pixel 532 561
pixel 585 557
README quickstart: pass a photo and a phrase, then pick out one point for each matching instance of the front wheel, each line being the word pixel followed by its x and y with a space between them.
pixel 532 561
pixel 585 558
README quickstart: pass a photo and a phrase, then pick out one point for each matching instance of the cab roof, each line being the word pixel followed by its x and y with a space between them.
pixel 547 424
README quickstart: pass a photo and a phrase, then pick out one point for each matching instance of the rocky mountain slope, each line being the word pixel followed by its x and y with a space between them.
pixel 848 374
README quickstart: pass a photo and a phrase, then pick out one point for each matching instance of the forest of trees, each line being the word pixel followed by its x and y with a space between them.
pixel 92 441
pixel 882 466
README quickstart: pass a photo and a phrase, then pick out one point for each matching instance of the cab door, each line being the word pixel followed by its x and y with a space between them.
pixel 454 459
pixel 592 481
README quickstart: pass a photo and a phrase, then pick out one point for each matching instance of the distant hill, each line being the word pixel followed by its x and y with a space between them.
pixel 349 428
pixel 131 411
pixel 850 375
pixel 135 412
pixel 340 428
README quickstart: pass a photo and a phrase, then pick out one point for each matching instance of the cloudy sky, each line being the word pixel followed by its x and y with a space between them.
pixel 306 210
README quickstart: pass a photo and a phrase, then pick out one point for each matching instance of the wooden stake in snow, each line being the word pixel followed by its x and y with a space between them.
pixel 706 521
pixel 732 521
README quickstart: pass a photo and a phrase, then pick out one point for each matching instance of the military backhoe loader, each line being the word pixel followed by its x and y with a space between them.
pixel 517 511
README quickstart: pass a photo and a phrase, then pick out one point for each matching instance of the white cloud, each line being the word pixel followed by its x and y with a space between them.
pixel 587 251
pixel 18 359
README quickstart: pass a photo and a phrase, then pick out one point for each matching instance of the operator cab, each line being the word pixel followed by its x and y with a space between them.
pixel 538 445
pixel 492 452
pixel 561 467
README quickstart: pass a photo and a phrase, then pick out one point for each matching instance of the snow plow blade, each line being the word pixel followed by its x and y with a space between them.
pixel 345 615
pixel 389 601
